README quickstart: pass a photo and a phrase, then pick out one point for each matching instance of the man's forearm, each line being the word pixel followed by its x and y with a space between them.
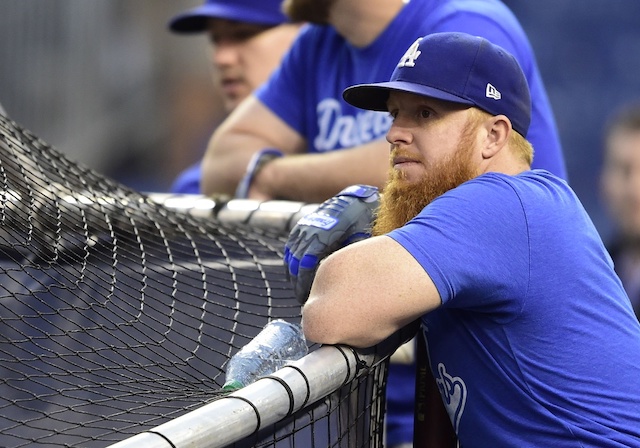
pixel 316 177
pixel 221 174
pixel 251 127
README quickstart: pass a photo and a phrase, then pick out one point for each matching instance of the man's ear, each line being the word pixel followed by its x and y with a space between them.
pixel 498 129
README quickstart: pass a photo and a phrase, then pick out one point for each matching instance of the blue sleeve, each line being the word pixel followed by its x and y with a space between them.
pixel 473 243
pixel 188 181
pixel 284 92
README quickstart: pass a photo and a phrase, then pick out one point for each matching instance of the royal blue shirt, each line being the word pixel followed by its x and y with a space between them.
pixel 536 343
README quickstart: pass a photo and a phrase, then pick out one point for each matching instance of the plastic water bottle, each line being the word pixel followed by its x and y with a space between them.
pixel 277 343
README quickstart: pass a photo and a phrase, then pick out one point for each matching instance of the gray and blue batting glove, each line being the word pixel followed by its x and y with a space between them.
pixel 337 222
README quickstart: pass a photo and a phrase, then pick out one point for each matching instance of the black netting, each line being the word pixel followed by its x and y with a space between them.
pixel 119 314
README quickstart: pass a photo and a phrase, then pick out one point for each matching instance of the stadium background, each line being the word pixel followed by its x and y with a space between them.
pixel 104 81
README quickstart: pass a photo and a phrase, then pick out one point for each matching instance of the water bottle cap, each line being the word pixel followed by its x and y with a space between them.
pixel 232 385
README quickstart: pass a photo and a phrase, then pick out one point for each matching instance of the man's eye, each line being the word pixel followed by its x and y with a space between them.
pixel 236 36
pixel 245 35
pixel 424 113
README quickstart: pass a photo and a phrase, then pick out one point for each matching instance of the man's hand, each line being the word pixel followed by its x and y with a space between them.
pixel 339 221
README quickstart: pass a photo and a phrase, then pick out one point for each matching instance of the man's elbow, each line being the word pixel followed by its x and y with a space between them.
pixel 324 327
pixel 315 327
pixel 320 324
pixel 208 176
pixel 213 180
pixel 320 333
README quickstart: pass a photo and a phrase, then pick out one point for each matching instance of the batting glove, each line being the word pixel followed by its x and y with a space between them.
pixel 337 222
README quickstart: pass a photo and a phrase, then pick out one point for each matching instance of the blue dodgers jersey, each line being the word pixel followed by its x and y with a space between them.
pixel 536 343
pixel 315 81
pixel 321 64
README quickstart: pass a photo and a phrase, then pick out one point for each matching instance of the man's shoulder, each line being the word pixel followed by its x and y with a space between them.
pixel 531 183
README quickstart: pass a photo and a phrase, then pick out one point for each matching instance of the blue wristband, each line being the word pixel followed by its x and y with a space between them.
pixel 256 163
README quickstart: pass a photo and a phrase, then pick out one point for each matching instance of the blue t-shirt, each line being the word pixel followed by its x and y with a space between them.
pixel 306 90
pixel 536 343
pixel 188 181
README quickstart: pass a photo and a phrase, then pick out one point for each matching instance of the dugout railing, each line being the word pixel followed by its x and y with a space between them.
pixel 119 311
pixel 296 390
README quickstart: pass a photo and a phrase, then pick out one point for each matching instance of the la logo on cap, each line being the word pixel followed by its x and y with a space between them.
pixel 410 56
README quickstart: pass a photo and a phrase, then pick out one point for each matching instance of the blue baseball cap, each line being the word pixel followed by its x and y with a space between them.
pixel 455 67
pixel 262 12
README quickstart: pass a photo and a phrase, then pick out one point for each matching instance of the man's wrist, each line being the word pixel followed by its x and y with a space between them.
pixel 252 177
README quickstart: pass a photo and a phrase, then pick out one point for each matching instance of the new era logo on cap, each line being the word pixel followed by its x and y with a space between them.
pixel 492 92
pixel 456 67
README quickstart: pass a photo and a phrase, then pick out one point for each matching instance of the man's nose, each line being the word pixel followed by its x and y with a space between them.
pixel 225 52
pixel 398 134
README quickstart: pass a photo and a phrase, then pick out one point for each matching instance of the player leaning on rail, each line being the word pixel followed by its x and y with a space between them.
pixel 529 333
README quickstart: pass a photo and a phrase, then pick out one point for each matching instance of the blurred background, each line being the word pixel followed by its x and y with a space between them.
pixel 106 83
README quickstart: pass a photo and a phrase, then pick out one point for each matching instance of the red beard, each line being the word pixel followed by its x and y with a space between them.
pixel 402 200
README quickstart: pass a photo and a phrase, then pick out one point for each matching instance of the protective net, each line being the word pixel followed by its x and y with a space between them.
pixel 119 313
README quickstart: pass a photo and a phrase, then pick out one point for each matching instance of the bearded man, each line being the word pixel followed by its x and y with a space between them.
pixel 528 332
pixel 297 139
